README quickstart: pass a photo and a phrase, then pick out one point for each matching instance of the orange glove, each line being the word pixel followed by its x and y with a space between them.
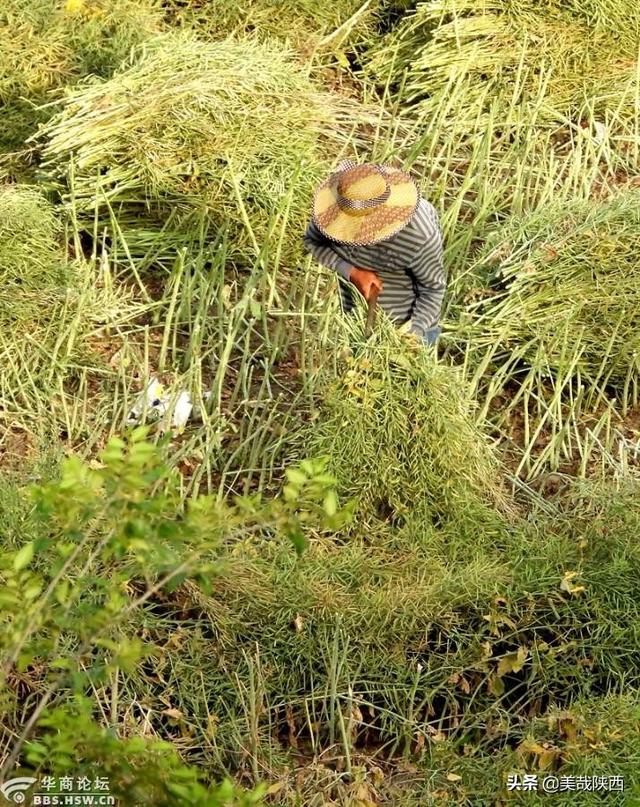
pixel 365 281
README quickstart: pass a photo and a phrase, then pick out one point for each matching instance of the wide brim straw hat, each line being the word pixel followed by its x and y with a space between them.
pixel 364 204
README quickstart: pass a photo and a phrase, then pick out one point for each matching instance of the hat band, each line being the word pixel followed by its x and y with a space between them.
pixel 366 204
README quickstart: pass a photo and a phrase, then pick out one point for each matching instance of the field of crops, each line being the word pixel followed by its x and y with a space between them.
pixel 360 573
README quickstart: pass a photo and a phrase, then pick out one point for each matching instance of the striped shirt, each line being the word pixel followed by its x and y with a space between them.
pixel 409 264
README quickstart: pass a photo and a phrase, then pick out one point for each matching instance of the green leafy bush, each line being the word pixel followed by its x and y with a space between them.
pixel 137 770
pixel 112 538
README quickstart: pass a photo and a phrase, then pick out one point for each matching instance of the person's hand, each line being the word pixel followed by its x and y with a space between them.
pixel 365 281
pixel 412 340
pixel 423 338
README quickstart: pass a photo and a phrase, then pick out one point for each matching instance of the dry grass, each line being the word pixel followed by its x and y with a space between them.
pixel 447 631
pixel 306 24
pixel 193 134
pixel 567 280
pixel 504 46
pixel 400 430
pixel 47 45
pixel 31 252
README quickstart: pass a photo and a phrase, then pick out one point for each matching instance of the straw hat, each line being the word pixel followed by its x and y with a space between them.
pixel 364 204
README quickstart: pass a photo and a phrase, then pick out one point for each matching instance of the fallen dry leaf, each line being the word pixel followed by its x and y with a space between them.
pixel 567 585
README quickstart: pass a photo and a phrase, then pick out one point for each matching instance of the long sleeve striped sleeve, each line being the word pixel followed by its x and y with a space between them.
pixel 429 274
pixel 409 264
pixel 320 247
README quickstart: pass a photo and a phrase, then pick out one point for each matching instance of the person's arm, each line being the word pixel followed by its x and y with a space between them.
pixel 322 249
pixel 430 277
